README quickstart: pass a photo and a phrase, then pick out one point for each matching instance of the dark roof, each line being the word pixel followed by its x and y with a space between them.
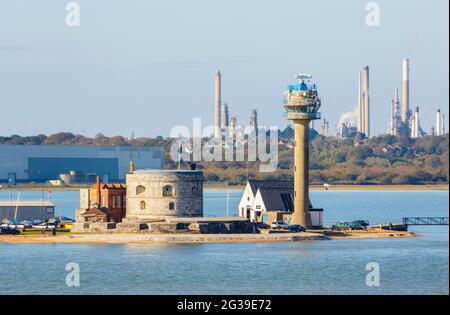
pixel 110 186
pixel 93 212
pixel 276 194
pixel 279 199
pixel 266 184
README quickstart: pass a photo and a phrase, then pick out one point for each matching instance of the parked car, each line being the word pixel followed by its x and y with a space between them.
pixel 9 231
pixel 359 225
pixel 341 226
pixel 364 223
pixel 355 225
pixel 279 225
pixel 296 228
pixel 262 225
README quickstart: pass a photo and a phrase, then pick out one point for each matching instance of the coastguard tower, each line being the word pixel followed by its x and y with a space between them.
pixel 302 104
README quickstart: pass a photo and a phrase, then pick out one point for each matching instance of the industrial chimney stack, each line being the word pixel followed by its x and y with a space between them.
pixel 405 91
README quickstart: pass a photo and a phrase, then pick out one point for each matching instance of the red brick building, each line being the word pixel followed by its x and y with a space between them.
pixel 108 198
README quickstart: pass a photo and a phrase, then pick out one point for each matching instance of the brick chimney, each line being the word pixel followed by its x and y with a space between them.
pixel 131 168
pixel 98 188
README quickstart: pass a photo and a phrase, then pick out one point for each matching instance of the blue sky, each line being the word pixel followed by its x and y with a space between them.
pixel 149 65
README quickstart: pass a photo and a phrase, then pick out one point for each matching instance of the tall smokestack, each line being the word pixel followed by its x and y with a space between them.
pixel 439 123
pixel 217 106
pixel 405 91
pixel 395 115
pixel 415 124
pixel 392 130
pixel 224 116
pixel 366 101
pixel 360 117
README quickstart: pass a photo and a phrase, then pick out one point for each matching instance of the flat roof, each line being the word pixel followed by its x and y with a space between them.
pixel 26 203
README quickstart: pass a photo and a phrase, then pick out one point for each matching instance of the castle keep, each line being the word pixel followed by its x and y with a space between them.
pixel 154 195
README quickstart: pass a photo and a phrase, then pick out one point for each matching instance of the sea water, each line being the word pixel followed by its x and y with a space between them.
pixel 406 266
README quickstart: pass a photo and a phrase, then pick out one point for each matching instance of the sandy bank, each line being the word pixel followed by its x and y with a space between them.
pixel 190 238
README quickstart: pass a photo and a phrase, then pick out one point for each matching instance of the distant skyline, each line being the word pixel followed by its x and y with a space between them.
pixel 147 66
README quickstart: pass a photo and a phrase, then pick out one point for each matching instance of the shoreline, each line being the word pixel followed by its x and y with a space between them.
pixel 312 187
pixel 144 238
pixel 353 187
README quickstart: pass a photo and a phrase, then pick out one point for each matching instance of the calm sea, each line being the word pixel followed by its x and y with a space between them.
pixel 407 266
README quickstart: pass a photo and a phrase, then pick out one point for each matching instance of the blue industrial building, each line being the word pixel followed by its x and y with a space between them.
pixel 39 163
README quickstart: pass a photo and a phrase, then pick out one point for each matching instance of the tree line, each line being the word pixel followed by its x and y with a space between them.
pixel 377 160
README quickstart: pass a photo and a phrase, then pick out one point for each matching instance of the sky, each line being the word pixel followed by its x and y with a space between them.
pixel 147 66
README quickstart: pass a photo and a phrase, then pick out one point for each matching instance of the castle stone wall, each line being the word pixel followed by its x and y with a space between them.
pixel 155 195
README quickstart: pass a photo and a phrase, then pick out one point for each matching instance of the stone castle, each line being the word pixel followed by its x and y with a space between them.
pixel 149 196
pixel 154 195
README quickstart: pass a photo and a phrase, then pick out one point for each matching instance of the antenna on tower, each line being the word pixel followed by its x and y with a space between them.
pixel 302 76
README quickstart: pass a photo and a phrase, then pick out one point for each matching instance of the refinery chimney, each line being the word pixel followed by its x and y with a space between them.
pixel 224 117
pixel 217 106
pixel 360 108
pixel 366 102
pixel 405 91
pixel 415 124
pixel 440 127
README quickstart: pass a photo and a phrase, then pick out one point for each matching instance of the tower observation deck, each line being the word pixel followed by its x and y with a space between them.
pixel 301 103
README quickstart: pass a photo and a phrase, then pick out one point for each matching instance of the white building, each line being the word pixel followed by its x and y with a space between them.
pixel 268 201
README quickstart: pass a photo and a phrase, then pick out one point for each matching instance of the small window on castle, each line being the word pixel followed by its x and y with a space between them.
pixel 140 189
pixel 172 206
pixel 168 191
pixel 142 205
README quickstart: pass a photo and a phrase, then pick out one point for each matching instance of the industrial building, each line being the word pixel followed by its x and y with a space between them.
pixel 39 163
pixel 348 131
pixel 403 121
pixel 28 210
pixel 224 123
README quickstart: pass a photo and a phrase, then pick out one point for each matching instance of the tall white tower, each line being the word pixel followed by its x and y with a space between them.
pixel 415 124
pixel 217 106
pixel 440 126
pixel 405 90
pixel 396 119
pixel 366 102
pixel 254 121
pixel 224 117
pixel 360 107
